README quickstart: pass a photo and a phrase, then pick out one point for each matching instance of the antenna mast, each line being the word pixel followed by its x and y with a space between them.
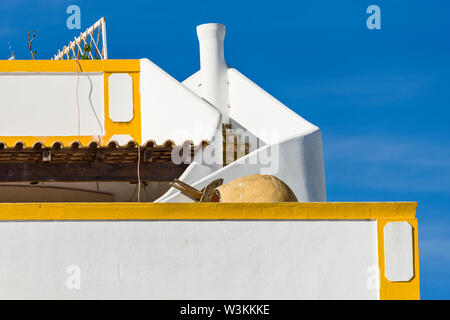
pixel 87 45
pixel 13 57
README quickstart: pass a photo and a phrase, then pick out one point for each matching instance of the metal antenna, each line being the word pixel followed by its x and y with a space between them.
pixel 90 45
pixel 13 57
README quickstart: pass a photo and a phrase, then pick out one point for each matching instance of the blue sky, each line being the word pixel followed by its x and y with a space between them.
pixel 381 97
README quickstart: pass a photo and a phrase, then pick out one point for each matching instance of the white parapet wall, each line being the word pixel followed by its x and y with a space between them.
pixel 170 111
pixel 188 260
pixel 204 251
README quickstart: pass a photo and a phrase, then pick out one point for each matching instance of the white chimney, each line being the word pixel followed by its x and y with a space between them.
pixel 213 67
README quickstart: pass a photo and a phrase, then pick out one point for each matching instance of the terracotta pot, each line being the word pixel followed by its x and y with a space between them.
pixel 254 188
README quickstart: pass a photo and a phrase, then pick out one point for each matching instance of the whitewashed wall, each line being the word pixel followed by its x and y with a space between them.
pixel 188 260
pixel 170 111
pixel 45 104
pixel 261 113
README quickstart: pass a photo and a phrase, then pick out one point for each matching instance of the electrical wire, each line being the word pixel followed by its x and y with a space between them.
pixel 77 62
pixel 139 174
pixel 78 102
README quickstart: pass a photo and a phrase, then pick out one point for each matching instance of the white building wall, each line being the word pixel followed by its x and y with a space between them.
pixel 45 104
pixel 261 113
pixel 188 260
pixel 170 111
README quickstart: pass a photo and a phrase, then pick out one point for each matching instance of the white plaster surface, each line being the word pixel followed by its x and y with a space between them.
pixel 398 251
pixel 45 104
pixel 188 259
pixel 194 83
pixel 120 87
pixel 170 111
pixel 259 112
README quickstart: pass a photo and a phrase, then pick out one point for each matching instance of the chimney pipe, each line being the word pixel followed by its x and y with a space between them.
pixel 213 67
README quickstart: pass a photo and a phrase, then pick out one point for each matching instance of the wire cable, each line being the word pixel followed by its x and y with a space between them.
pixel 139 174
pixel 78 102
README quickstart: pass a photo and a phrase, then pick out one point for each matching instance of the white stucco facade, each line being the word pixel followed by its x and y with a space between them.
pixel 170 111
pixel 188 260
pixel 45 104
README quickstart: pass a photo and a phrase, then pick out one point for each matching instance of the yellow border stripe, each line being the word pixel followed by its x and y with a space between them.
pixel 207 211
pixel 70 66
pixel 409 290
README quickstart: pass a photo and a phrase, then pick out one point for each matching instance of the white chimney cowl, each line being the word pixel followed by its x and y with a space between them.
pixel 214 70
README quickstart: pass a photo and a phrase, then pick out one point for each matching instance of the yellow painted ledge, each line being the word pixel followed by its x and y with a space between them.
pixel 207 211
pixel 408 290
pixel 70 66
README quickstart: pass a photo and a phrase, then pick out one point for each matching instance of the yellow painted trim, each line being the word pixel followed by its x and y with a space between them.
pixel 207 211
pixel 48 141
pixel 69 65
pixel 398 290
pixel 132 128
pixel 107 67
